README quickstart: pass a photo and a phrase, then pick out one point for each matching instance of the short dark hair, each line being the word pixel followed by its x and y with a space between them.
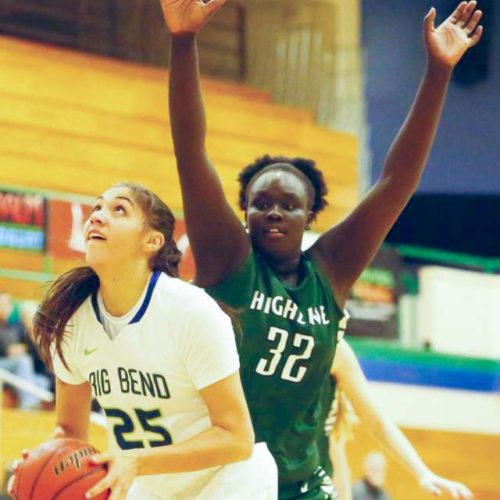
pixel 305 167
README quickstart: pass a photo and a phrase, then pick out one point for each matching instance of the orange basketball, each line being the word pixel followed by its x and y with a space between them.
pixel 58 469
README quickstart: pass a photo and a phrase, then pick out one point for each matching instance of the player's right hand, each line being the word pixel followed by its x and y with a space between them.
pixel 188 16
pixel 122 470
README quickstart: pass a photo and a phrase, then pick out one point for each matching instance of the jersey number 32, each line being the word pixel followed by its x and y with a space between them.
pixel 290 372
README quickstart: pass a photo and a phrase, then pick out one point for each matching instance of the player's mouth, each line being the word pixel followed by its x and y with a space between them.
pixel 274 232
pixel 94 235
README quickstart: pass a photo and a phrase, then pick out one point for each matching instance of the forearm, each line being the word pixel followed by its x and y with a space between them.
pixel 341 470
pixel 72 410
pixel 409 152
pixel 68 431
pixel 213 447
pixel 400 447
pixel 187 112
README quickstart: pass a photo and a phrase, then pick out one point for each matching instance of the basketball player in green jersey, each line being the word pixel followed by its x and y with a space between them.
pixel 289 302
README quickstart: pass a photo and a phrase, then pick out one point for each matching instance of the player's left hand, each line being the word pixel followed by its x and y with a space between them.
pixel 447 43
pixel 15 466
pixel 188 16
pixel 122 470
pixel 435 484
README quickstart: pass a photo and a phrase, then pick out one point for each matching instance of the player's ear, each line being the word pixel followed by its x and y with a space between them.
pixel 310 219
pixel 154 241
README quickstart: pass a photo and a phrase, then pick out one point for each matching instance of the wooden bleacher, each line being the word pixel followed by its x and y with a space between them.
pixel 89 121
pixel 78 123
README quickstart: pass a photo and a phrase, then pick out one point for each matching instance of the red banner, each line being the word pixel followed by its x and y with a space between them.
pixel 22 221
pixel 66 219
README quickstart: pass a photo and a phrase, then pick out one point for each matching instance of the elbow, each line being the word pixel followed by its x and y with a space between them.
pixel 243 444
pixel 399 185
pixel 246 443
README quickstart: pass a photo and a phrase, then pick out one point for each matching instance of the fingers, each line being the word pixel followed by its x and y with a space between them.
pixel 458 491
pixel 476 35
pixel 429 20
pixel 10 485
pixel 16 464
pixel 473 22
pixel 59 433
pixel 463 13
pixel 458 12
pixel 100 487
pixel 435 490
pixel 467 17
pixel 119 488
pixel 102 458
pixel 214 5
pixel 436 484
pixel 463 492
pixel 118 493
pixel 104 483
pixel 472 30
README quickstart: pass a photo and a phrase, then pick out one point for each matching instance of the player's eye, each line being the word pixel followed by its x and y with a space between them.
pixel 96 208
pixel 120 209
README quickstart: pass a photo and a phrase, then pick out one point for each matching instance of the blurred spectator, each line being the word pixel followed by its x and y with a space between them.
pixel 371 487
pixel 14 355
pixel 44 377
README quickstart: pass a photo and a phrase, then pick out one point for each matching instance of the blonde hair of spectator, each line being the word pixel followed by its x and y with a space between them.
pixel 346 419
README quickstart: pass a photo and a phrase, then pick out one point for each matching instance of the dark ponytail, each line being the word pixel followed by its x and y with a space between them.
pixel 61 301
pixel 70 290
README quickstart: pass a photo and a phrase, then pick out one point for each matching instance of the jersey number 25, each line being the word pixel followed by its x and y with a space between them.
pixel 127 426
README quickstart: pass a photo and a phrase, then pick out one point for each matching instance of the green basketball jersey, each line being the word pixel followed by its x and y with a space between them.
pixel 328 392
pixel 289 336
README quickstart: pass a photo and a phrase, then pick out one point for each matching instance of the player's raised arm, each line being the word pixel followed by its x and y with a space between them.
pixel 217 236
pixel 348 248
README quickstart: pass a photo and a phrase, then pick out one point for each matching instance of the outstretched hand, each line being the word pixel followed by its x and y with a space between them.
pixel 188 16
pixel 447 43
pixel 436 485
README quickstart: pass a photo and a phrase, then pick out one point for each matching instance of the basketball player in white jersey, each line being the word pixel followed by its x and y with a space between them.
pixel 160 357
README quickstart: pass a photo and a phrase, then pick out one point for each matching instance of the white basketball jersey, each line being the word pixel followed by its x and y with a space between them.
pixel 147 379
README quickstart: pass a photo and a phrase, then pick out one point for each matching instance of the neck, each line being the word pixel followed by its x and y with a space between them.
pixel 121 288
pixel 287 269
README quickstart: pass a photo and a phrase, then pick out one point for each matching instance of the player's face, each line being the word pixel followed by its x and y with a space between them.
pixel 116 229
pixel 277 213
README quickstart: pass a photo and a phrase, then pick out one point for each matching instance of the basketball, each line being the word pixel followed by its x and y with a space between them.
pixel 58 469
